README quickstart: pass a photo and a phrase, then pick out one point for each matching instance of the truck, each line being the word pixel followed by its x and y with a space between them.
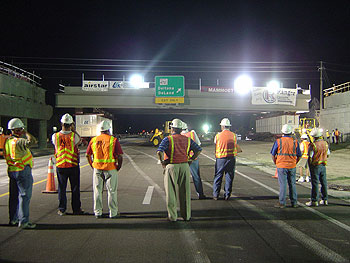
pixel 87 126
pixel 274 124
pixel 159 135
pixel 305 126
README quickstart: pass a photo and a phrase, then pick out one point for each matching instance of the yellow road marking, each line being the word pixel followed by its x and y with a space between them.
pixel 2 195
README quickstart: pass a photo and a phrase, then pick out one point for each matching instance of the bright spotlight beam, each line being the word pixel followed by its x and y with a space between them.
pixel 136 81
pixel 273 86
pixel 243 85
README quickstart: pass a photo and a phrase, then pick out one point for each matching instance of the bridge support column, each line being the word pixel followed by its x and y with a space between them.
pixel 42 140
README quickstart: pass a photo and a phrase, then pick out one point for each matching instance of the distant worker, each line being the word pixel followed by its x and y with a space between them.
pixel 286 154
pixel 318 152
pixel 66 144
pixel 303 163
pixel 105 156
pixel 333 136
pixel 173 153
pixel 328 136
pixel 336 134
pixel 225 153
pixel 20 162
pixel 194 167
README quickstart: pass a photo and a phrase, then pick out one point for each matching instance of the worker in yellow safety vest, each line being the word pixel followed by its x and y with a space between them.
pixel 226 149
pixel 105 156
pixel 303 163
pixel 66 144
pixel 20 162
pixel 173 153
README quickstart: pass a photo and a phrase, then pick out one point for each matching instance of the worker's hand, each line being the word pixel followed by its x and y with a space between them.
pixel 119 167
pixel 190 161
pixel 163 164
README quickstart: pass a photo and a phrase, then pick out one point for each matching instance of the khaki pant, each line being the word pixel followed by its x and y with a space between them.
pixel 110 178
pixel 178 174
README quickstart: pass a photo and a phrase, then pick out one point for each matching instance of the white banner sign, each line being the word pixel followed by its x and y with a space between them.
pixel 127 85
pixel 95 85
pixel 262 96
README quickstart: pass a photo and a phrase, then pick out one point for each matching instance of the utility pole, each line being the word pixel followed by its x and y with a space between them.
pixel 321 85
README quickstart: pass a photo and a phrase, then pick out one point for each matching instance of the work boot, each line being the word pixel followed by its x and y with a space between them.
pixel 323 202
pixel 307 179
pixel 301 179
pixel 311 203
pixel 27 225
pixel 279 205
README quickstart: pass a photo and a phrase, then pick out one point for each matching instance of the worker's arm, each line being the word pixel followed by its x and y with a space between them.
pixel 89 159
pixel 74 130
pixel 120 161
pixel 160 155
pixel 274 159
pixel 31 139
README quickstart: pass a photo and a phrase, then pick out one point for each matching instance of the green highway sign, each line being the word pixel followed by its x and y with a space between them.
pixel 170 86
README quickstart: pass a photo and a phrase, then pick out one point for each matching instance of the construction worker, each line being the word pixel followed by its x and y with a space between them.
pixel 194 167
pixel 66 144
pixel 173 154
pixel 286 154
pixel 328 136
pixel 336 134
pixel 318 152
pixel 20 162
pixel 225 153
pixel 302 164
pixel 333 136
pixel 107 160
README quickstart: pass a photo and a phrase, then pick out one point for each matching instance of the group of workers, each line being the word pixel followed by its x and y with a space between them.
pixel 178 153
pixel 286 154
pixel 337 136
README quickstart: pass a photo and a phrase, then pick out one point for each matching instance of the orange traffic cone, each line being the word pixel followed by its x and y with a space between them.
pixel 276 174
pixel 50 184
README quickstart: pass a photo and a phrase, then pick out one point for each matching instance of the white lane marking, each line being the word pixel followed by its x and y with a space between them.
pixel 330 219
pixel 316 247
pixel 193 242
pixel 151 156
pixel 148 195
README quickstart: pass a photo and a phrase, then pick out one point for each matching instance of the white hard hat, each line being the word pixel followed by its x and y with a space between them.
pixel 15 123
pixel 184 126
pixel 304 136
pixel 105 125
pixel 1 130
pixel 315 132
pixel 225 122
pixel 67 119
pixel 286 129
pixel 176 123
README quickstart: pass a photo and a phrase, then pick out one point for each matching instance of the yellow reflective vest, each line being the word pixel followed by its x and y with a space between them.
pixel 16 159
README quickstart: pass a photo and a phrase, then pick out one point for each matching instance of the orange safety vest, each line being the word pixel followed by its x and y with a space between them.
pixel 66 152
pixel 306 149
pixel 190 135
pixel 16 160
pixel 226 144
pixel 102 147
pixel 320 148
pixel 336 133
pixel 286 153
pixel 179 147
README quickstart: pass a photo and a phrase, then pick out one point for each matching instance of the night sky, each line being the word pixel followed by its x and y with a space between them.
pixel 41 35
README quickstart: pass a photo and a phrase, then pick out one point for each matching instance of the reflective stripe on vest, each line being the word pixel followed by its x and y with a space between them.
pixel 306 149
pixel 190 135
pixel 286 153
pixel 179 147
pixel 14 162
pixel 320 148
pixel 226 144
pixel 66 153
pixel 102 147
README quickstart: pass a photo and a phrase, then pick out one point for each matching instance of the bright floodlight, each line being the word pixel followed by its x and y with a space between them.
pixel 273 86
pixel 136 81
pixel 243 84
pixel 206 128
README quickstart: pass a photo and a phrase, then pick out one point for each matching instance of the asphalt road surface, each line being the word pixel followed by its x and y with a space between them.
pixel 247 228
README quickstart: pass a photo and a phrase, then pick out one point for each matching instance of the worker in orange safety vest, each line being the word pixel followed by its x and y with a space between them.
pixel 286 154
pixel 226 149
pixel 173 153
pixel 20 162
pixel 66 144
pixel 105 156
pixel 318 154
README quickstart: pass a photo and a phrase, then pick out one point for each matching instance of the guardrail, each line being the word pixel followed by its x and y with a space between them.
pixel 19 73
pixel 337 89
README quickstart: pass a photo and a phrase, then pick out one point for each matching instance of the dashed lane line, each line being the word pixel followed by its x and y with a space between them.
pixel 148 195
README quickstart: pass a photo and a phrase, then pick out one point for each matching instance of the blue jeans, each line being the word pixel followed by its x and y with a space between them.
pixel 73 174
pixel 194 167
pixel 21 185
pixel 285 176
pixel 224 166
pixel 318 174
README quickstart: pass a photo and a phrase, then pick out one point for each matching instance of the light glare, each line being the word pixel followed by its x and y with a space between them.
pixel 206 128
pixel 243 84
pixel 136 81
pixel 273 86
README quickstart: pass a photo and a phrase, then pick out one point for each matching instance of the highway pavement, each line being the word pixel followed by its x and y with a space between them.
pixel 247 228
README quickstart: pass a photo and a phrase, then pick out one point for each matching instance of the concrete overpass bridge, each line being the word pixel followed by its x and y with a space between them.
pixel 142 101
